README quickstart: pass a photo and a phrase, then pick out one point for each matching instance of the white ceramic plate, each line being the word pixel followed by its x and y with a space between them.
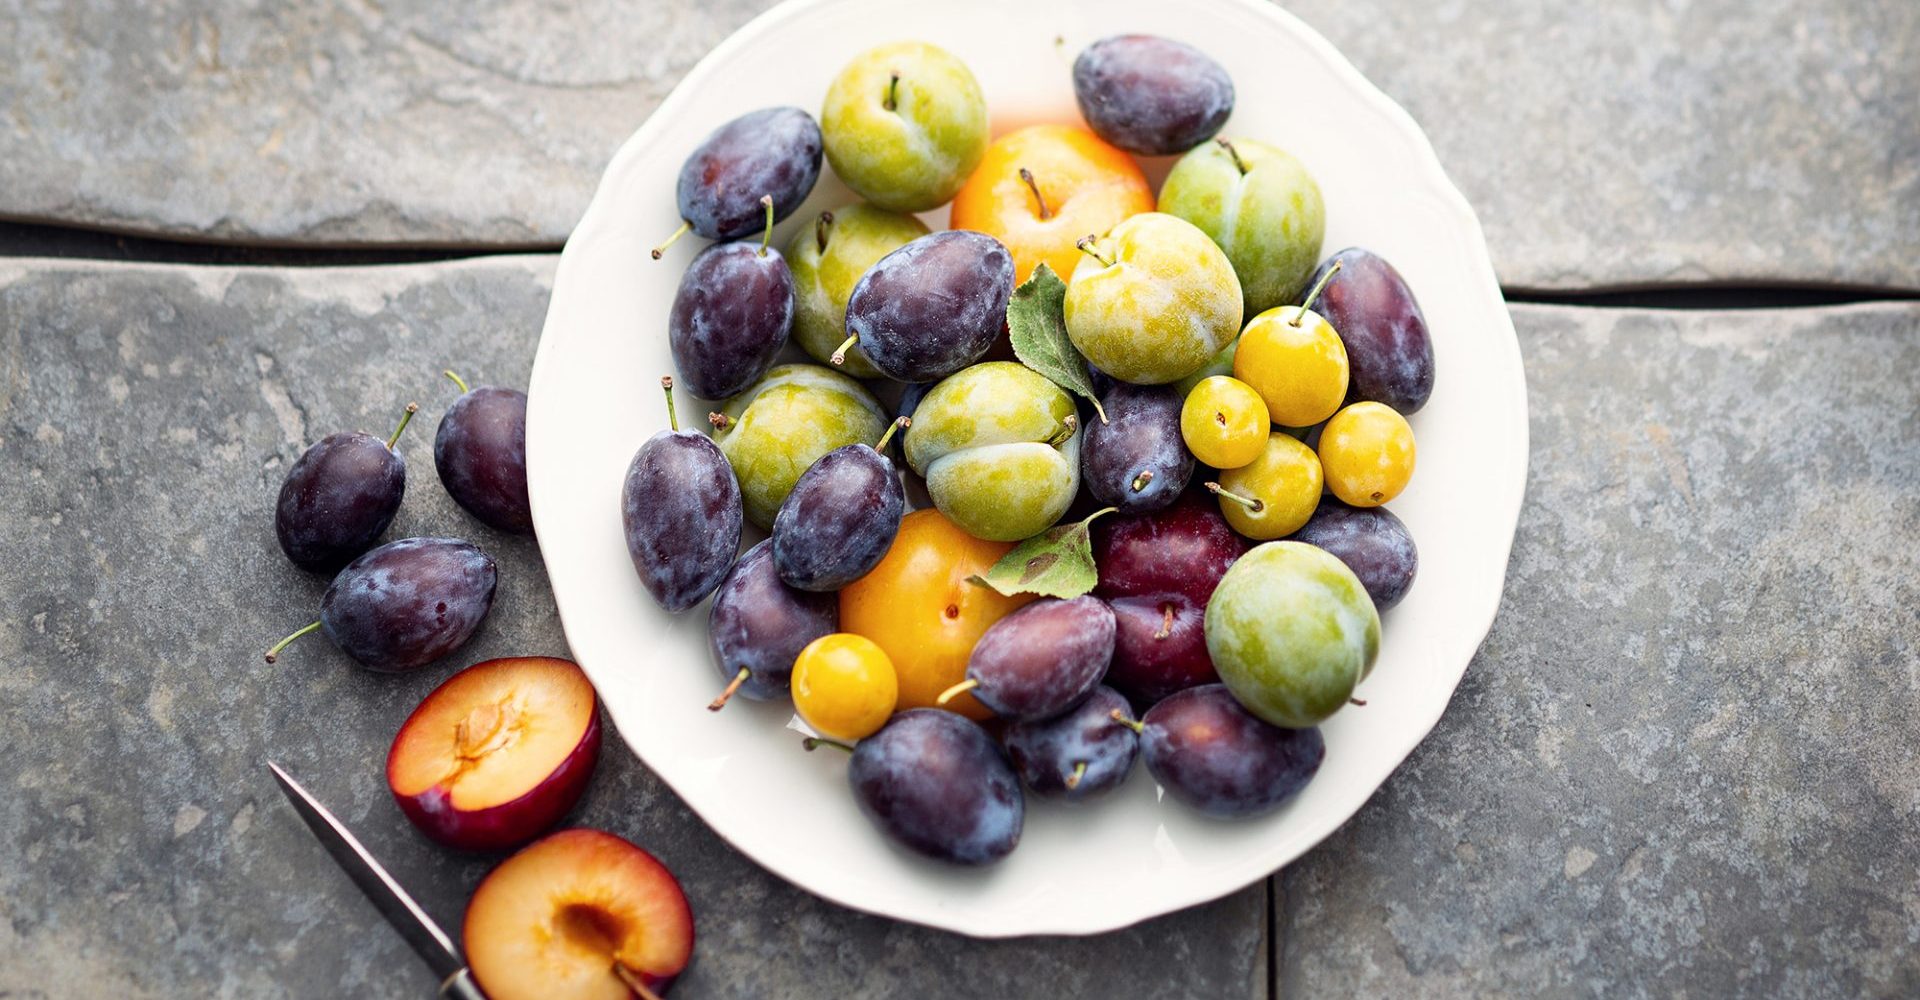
pixel 1135 855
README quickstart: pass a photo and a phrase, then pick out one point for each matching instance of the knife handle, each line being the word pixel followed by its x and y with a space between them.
pixel 460 986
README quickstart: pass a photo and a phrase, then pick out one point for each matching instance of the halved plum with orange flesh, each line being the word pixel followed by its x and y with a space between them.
pixel 579 915
pixel 497 754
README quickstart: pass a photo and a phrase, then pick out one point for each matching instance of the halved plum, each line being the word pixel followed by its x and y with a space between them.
pixel 579 915
pixel 497 754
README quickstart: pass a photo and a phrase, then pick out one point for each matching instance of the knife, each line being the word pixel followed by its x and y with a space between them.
pixel 406 916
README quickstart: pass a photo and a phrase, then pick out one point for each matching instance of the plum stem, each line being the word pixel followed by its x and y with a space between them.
pixel 892 100
pixel 733 685
pixel 1140 481
pixel 813 743
pixel 1357 701
pixel 957 690
pixel 633 981
pixel 662 248
pixel 766 200
pixel 274 653
pixel 666 386
pixel 840 353
pixel 457 380
pixel 821 226
pixel 1085 245
pixel 405 419
pixel 1255 504
pixel 898 425
pixel 1068 425
pixel 1027 175
pixel 1133 724
pixel 1166 623
pixel 1079 772
pixel 1238 163
pixel 1314 293
pixel 720 421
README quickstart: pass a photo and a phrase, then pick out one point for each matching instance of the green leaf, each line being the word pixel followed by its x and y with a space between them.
pixel 1037 322
pixel 1058 562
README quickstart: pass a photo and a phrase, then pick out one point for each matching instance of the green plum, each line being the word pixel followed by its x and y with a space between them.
pixel 1291 631
pixel 1153 300
pixel 827 259
pixel 1261 206
pixel 1000 448
pixel 777 428
pixel 1220 364
pixel 904 125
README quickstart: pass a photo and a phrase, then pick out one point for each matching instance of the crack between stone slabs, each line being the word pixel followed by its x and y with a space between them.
pixel 1273 939
pixel 29 238
pixel 1711 296
pixel 20 237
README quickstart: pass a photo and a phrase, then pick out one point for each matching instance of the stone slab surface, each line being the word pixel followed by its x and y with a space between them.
pixel 342 121
pixel 147 415
pixel 1684 763
pixel 1602 144
pixel 1669 142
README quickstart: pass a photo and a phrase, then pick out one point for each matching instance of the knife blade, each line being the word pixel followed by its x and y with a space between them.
pixel 401 912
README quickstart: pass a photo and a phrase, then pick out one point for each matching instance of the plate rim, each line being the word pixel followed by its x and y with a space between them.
pixel 1508 498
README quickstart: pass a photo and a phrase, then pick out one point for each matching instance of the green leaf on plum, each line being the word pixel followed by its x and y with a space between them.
pixel 1058 562
pixel 1037 324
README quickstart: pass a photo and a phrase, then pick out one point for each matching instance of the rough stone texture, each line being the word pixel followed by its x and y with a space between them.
pixel 1684 762
pixel 338 122
pixel 1627 144
pixel 1602 144
pixel 147 415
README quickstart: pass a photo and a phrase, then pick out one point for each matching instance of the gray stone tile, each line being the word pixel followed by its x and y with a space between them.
pixel 147 415
pixel 336 122
pixel 1684 762
pixel 1628 144
pixel 1602 144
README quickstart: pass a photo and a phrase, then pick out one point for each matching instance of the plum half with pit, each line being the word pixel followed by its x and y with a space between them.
pixel 493 757
pixel 578 915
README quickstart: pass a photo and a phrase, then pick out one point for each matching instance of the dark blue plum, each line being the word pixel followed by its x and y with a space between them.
pixel 1389 351
pixel 770 153
pixel 934 306
pixel 1151 95
pixel 938 784
pixel 406 603
pixel 730 318
pixel 681 507
pixel 840 518
pixel 1136 461
pixel 480 452
pixel 1043 659
pixel 910 396
pixel 1372 542
pixel 1079 755
pixel 339 498
pixel 1215 756
pixel 758 626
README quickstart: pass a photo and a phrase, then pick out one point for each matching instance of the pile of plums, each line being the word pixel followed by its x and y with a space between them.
pixel 501 751
pixel 1229 377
